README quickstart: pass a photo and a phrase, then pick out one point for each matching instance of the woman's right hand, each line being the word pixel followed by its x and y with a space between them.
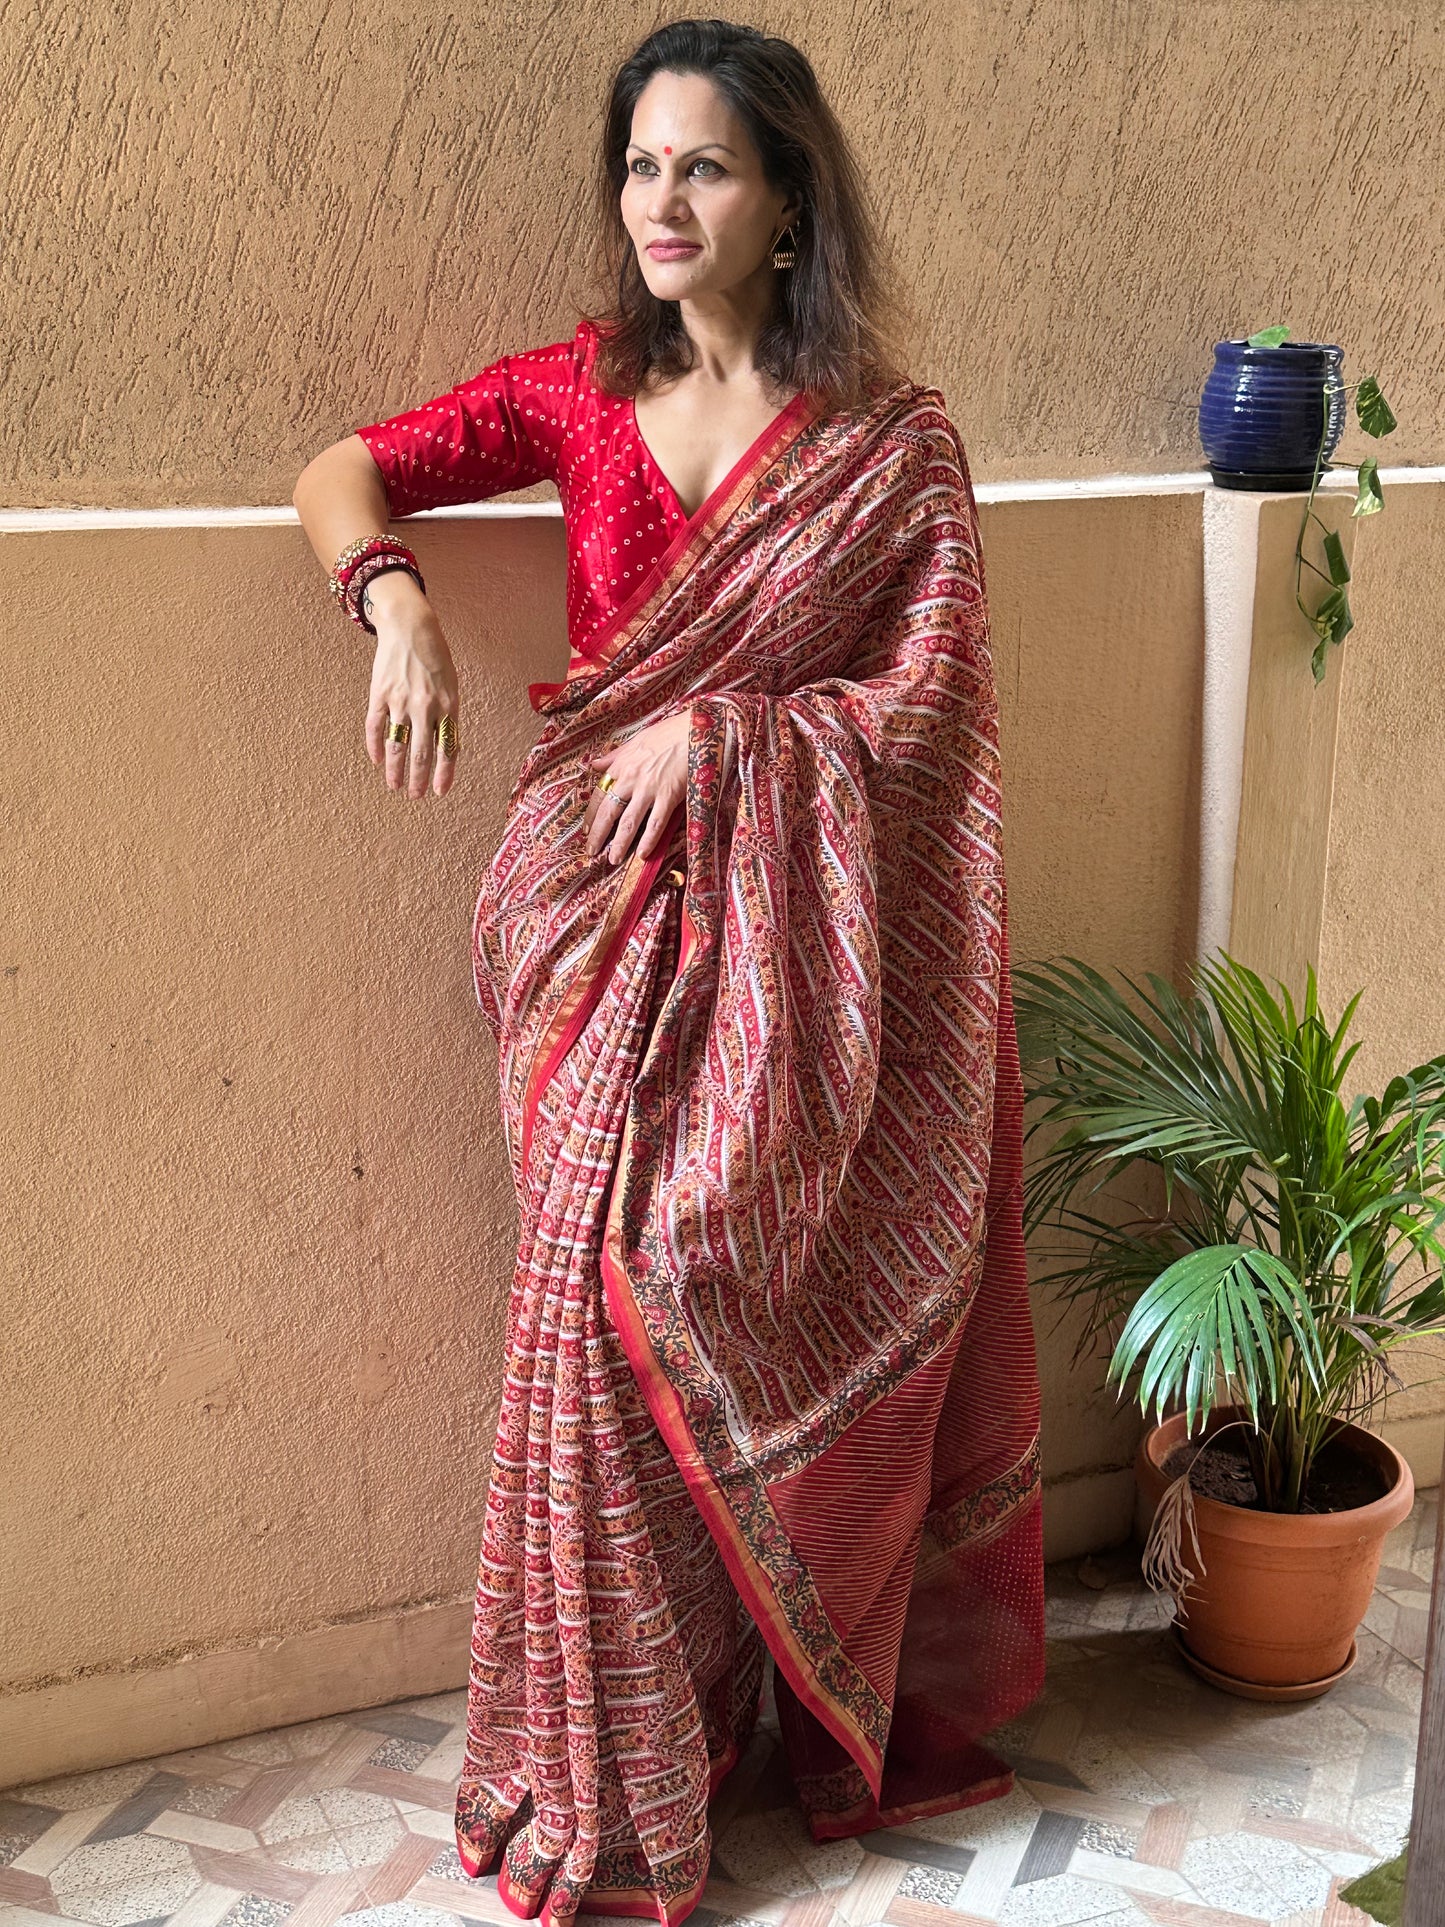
pixel 414 678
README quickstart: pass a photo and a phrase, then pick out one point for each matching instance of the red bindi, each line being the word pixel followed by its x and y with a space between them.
pixel 667 150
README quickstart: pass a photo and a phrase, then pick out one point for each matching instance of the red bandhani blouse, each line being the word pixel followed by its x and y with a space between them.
pixel 536 417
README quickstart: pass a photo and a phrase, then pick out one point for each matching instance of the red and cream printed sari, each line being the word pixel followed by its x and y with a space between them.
pixel 769 1375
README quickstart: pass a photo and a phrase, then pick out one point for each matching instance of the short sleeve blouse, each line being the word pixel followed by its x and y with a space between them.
pixel 535 417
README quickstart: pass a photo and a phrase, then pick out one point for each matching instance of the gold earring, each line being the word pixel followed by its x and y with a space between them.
pixel 784 257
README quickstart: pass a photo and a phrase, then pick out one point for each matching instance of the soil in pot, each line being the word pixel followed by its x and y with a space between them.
pixel 1339 1479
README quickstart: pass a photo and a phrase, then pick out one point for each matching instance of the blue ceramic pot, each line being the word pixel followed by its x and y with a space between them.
pixel 1262 410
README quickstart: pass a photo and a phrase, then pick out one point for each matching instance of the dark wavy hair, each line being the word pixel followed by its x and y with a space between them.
pixel 836 315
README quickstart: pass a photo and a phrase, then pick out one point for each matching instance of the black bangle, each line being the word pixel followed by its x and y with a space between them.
pixel 367 573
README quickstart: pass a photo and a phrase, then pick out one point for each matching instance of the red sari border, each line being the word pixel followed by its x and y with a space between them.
pixel 747 1576
pixel 866 1815
pixel 636 1903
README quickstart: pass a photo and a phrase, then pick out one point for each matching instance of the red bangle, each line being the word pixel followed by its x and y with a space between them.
pixel 366 572
pixel 355 553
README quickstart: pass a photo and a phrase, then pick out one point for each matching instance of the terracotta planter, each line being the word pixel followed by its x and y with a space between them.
pixel 1275 1613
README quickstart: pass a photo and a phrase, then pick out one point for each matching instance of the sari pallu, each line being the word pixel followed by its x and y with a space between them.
pixel 770 1371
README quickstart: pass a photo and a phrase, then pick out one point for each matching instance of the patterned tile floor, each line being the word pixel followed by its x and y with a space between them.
pixel 1144 1798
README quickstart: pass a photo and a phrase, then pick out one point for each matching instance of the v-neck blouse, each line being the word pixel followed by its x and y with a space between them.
pixel 534 417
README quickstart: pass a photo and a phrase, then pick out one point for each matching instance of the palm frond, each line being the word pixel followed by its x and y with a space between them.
pixel 1162 1565
pixel 1223 1308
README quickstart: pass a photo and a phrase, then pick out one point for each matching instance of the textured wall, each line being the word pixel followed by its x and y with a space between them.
pixel 1340 849
pixel 266 1229
pixel 232 237
pixel 1098 634
pixel 1385 879
pixel 1385 817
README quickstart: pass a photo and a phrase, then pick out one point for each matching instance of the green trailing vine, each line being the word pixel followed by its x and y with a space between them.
pixel 1332 620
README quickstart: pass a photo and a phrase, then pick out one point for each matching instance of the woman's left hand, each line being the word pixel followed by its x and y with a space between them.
pixel 650 775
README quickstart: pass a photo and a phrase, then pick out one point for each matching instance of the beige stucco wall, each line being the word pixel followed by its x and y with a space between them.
pixel 1340 848
pixel 267 1233
pixel 231 236
pixel 1384 818
pixel 262 1236
pixel 1384 898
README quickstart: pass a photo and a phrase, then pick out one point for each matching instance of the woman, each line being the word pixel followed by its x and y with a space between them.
pixel 769 1377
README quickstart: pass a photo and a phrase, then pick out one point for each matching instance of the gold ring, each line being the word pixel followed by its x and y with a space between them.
pixel 398 732
pixel 445 732
pixel 606 780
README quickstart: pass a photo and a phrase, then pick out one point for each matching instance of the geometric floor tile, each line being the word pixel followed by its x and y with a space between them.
pixel 1143 1797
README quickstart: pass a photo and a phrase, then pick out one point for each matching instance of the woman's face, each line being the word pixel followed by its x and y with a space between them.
pixel 694 177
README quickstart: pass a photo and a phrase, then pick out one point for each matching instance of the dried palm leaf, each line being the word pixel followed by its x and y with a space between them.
pixel 1163 1564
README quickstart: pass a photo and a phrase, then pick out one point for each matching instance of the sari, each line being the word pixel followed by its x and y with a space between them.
pixel 769 1378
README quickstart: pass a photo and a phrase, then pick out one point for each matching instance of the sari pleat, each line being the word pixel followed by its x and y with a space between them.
pixel 614 1674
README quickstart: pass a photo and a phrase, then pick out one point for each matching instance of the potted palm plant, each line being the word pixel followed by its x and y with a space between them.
pixel 1292 1241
